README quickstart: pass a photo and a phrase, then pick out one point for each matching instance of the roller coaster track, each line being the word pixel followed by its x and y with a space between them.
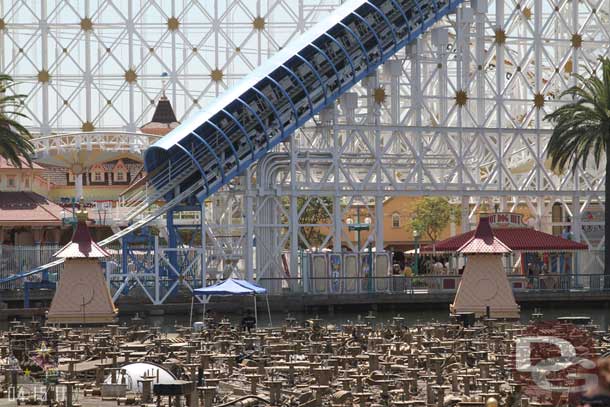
pixel 205 153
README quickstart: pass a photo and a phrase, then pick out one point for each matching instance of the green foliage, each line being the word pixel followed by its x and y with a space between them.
pixel 582 128
pixel 431 215
pixel 190 237
pixel 313 211
pixel 14 138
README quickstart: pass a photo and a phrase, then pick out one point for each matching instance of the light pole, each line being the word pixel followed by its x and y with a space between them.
pixel 68 219
pixel 416 238
pixel 370 244
pixel 359 227
pixel 101 213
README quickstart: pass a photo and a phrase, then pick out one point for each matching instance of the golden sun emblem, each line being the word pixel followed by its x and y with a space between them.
pixel 43 350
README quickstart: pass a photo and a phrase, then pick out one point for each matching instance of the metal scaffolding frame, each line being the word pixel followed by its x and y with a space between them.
pixel 443 117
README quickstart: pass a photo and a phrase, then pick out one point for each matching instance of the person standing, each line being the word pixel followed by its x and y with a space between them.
pixel 248 322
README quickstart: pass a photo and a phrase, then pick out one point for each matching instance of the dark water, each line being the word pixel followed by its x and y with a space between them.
pixel 598 314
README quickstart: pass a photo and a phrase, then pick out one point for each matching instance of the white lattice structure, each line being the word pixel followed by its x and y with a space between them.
pixel 453 122
pixel 97 64
pixel 459 114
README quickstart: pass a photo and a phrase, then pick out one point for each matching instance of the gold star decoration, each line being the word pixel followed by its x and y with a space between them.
pixel 87 126
pixel 538 100
pixel 259 23
pixel 86 24
pixel 500 36
pixel 173 23
pixel 461 97
pixel 576 40
pixel 43 350
pixel 216 75
pixel 379 95
pixel 130 76
pixel 43 76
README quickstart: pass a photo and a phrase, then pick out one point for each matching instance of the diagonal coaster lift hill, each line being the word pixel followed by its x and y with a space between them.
pixel 205 153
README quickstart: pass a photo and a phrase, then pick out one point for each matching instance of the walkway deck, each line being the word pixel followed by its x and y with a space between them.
pixel 438 299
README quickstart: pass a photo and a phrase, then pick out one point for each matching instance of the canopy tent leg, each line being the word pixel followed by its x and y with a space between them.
pixel 268 310
pixel 191 316
pixel 205 301
pixel 255 312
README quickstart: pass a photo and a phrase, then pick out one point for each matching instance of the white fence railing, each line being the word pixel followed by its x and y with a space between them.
pixel 21 259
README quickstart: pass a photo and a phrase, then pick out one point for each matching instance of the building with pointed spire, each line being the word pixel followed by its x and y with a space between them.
pixel 163 120
pixel 484 286
pixel 82 295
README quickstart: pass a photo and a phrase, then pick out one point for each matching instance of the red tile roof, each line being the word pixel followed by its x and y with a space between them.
pixel 483 241
pixel 5 165
pixel 517 239
pixel 81 246
pixel 27 208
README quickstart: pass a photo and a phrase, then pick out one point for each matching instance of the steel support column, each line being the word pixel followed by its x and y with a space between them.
pixel 204 252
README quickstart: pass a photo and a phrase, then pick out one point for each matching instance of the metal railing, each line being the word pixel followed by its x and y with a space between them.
pixel 21 259
pixel 15 260
pixel 428 284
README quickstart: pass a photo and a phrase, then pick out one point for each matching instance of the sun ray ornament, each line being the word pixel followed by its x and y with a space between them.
pixel 44 356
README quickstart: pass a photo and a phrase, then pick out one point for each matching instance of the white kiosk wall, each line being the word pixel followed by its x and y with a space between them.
pixel 351 273
pixel 320 273
pixel 382 272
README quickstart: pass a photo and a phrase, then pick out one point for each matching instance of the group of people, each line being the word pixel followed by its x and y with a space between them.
pixel 439 265
pixel 248 321
pixel 537 269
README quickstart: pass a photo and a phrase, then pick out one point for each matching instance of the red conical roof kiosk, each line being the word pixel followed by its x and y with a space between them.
pixel 484 282
pixel 82 295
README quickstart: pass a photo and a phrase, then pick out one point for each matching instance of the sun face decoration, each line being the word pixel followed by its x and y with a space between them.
pixel 42 356
pixel 43 350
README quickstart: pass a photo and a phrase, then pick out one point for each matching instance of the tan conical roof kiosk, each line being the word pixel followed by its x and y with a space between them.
pixel 82 295
pixel 484 282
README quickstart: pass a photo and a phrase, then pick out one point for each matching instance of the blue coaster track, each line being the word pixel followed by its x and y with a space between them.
pixel 203 154
pixel 268 105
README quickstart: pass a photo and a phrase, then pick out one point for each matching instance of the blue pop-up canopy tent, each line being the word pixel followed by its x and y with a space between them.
pixel 254 287
pixel 231 287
